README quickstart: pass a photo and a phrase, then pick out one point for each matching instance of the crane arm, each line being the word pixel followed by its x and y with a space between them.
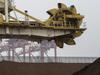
pixel 31 17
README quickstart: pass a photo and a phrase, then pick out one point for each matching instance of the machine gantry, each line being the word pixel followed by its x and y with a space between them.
pixel 63 25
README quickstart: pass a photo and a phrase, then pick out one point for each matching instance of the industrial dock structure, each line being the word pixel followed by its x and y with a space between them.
pixel 20 39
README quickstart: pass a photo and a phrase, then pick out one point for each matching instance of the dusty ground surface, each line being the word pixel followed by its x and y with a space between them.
pixel 91 69
pixel 13 68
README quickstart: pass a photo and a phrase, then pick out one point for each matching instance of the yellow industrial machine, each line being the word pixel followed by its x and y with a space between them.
pixel 62 18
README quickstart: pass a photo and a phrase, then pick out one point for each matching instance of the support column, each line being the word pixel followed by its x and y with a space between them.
pixel 6 11
pixel 6 15
pixel 9 55
pixel 42 55
pixel 1 56
pixel 26 18
pixel 24 57
pixel 30 54
pixel 55 52
pixel 13 55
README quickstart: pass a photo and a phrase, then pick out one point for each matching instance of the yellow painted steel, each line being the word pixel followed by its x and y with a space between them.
pixel 1 19
pixel 31 17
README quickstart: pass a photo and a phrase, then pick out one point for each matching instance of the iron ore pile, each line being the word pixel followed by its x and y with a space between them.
pixel 91 69
pixel 16 68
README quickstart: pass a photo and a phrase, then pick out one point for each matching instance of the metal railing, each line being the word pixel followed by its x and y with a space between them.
pixel 51 59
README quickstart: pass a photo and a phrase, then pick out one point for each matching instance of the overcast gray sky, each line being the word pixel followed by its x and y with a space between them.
pixel 86 45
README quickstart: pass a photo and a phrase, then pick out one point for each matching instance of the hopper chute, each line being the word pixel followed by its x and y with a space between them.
pixel 52 12
pixel 62 6
pixel 69 41
pixel 73 9
pixel 59 43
